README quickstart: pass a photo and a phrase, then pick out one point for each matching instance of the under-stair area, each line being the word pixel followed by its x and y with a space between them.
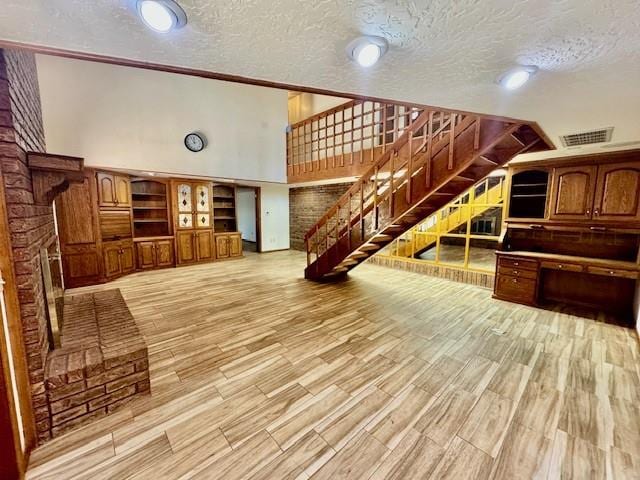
pixel 436 156
pixel 478 201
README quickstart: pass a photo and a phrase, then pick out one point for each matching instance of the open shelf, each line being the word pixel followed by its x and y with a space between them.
pixel 528 194
pixel 150 208
pixel 224 208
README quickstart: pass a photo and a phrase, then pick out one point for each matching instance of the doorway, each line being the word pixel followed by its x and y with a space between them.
pixel 248 211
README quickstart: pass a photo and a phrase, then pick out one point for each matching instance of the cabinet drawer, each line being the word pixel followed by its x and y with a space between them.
pixel 517 272
pixel 519 263
pixel 569 267
pixel 612 272
pixel 522 289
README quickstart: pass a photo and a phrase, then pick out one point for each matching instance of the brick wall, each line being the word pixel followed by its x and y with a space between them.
pixel 30 226
pixel 307 205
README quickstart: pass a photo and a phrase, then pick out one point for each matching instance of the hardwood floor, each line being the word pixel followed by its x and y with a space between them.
pixel 257 373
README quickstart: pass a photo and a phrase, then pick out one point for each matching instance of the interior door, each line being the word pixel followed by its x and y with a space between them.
pixel 204 245
pixel 111 256
pixel 572 192
pixel 617 192
pixel 127 258
pixel 145 254
pixel 235 245
pixel 122 189
pixel 222 246
pixel 164 253
pixel 106 190
pixel 185 241
pixel 202 201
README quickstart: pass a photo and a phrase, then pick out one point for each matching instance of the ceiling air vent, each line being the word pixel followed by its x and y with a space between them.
pixel 587 138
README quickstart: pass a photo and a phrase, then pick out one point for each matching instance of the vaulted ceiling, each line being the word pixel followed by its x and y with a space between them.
pixel 442 52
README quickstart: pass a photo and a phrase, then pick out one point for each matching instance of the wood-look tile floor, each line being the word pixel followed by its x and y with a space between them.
pixel 259 374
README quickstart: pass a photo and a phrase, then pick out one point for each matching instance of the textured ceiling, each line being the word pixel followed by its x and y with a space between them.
pixel 443 52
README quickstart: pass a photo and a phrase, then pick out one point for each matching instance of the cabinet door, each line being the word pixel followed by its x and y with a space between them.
pixel 222 246
pixel 122 188
pixel 111 259
pixel 106 190
pixel 235 245
pixel 184 206
pixel 202 201
pixel 186 247
pixel 145 252
pixel 204 245
pixel 617 192
pixel 127 257
pixel 164 253
pixel 572 192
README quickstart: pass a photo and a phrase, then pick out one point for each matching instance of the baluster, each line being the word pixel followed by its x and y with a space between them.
pixel 362 211
pixel 410 165
pixel 452 137
pixel 362 133
pixel 375 198
pixel 394 154
pixel 384 128
pixel 349 221
pixel 427 167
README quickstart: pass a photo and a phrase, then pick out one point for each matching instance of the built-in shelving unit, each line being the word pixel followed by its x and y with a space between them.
pixel 528 197
pixel 224 208
pixel 150 208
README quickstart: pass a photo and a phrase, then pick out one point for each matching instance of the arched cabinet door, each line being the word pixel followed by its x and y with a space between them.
pixel 572 192
pixel 618 192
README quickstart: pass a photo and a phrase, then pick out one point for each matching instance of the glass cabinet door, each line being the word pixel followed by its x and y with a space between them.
pixel 185 206
pixel 203 206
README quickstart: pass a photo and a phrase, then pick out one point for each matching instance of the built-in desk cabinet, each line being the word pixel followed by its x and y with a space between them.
pixel 572 232
pixel 228 245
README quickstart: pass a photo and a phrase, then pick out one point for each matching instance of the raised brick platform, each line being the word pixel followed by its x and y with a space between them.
pixel 102 364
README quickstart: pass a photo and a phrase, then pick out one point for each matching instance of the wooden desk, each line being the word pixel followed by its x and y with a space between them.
pixel 535 278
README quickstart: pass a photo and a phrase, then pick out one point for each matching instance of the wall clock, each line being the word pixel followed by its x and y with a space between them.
pixel 195 142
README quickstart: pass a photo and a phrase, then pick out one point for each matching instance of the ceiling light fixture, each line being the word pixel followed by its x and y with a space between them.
pixel 516 77
pixel 161 16
pixel 367 50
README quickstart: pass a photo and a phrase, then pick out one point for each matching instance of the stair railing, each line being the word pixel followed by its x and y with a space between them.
pixel 357 210
pixel 356 132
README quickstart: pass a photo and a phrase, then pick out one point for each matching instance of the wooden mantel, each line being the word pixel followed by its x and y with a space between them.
pixel 52 174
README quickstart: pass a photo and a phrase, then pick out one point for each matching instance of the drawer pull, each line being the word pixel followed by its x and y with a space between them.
pixel 515 280
pixel 611 272
pixel 515 272
pixel 560 265
pixel 516 264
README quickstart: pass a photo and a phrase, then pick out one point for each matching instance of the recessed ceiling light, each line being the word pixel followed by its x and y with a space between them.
pixel 161 15
pixel 367 50
pixel 516 77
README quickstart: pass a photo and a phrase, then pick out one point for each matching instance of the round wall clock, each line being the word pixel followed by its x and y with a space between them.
pixel 195 142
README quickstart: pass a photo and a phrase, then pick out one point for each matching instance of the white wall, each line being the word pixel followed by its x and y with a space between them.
pixel 121 117
pixel 246 211
pixel 274 216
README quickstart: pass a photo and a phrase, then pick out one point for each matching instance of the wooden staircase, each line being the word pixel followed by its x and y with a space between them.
pixel 438 156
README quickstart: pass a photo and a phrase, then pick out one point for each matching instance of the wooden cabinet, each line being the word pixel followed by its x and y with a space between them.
pixel 572 190
pixel 113 190
pixel 118 258
pixel 195 246
pixel 193 205
pixel 228 245
pixel 617 192
pixel 79 234
pixel 154 253
pixel 516 280
pixel 609 192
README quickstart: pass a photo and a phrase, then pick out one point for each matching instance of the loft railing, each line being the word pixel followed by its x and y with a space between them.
pixel 458 222
pixel 357 132
pixel 425 135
